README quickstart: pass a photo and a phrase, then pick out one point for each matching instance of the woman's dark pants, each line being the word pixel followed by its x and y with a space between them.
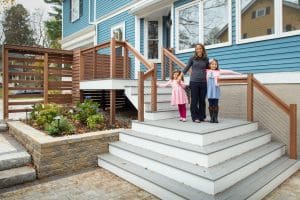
pixel 198 95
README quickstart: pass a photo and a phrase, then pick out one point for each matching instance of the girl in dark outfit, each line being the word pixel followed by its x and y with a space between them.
pixel 198 84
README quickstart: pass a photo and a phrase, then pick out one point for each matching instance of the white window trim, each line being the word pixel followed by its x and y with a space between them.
pixel 201 22
pixel 160 43
pixel 72 4
pixel 119 25
pixel 278 30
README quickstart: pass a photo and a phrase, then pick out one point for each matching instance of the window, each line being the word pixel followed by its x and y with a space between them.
pixel 76 9
pixel 259 10
pixel 290 15
pixel 118 32
pixel 153 41
pixel 206 22
pixel 267 19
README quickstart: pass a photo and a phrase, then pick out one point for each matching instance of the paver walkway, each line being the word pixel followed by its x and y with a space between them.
pixel 97 183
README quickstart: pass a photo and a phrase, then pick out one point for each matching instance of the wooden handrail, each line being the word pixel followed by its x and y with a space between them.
pixel 96 48
pixel 139 56
pixel 174 58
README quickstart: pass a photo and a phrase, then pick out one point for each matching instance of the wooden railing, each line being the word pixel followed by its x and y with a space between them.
pixel 168 53
pixel 290 110
pixel 151 72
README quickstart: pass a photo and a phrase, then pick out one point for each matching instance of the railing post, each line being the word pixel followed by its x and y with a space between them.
pixel 94 63
pixel 125 63
pixel 293 131
pixel 5 82
pixel 154 89
pixel 81 65
pixel 170 65
pixel 112 58
pixel 163 67
pixel 46 80
pixel 141 97
pixel 250 97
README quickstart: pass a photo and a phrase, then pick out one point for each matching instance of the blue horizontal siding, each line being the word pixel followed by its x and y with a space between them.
pixel 104 32
pixel 73 27
pixel 106 6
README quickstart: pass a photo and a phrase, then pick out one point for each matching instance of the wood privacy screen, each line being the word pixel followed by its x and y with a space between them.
pixel 34 75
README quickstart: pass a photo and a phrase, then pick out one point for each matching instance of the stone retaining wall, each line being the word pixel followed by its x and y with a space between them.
pixel 62 155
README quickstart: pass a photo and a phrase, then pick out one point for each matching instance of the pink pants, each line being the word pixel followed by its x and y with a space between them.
pixel 182 110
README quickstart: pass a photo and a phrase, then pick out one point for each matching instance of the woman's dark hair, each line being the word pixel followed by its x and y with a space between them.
pixel 213 59
pixel 204 54
pixel 179 72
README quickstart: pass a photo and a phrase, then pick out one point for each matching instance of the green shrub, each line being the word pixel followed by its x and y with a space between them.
pixel 94 120
pixel 86 109
pixel 46 114
pixel 59 128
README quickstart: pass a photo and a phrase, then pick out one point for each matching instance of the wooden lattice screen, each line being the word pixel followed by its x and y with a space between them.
pixel 34 75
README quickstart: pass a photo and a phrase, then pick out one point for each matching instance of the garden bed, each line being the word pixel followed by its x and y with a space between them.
pixel 65 154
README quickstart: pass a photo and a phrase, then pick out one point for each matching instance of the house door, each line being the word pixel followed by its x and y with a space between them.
pixel 167 23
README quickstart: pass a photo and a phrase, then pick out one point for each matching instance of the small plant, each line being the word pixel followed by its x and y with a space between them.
pixel 86 109
pixel 94 120
pixel 60 127
pixel 46 114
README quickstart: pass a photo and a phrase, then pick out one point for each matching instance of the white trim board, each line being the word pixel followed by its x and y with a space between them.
pixel 80 40
pixel 279 77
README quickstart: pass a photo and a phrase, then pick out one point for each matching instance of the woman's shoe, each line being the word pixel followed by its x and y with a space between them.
pixel 197 120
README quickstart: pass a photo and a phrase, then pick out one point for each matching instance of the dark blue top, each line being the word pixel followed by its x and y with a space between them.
pixel 199 66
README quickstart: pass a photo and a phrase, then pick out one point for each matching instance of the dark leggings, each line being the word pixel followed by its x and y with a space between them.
pixel 213 102
pixel 198 95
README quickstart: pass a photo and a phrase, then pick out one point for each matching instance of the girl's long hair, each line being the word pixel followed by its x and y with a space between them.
pixel 204 54
pixel 179 73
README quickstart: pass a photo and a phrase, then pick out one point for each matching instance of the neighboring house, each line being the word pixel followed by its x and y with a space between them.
pixel 258 36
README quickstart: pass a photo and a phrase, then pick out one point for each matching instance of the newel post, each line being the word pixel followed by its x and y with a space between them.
pixel 112 116
pixel 154 89
pixel 141 97
pixel 46 78
pixel 293 131
pixel 163 67
pixel 250 97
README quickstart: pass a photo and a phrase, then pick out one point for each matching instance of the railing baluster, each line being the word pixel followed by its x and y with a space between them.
pixel 154 89
pixel 141 97
pixel 163 67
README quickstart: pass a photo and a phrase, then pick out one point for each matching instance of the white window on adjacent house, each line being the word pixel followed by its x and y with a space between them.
pixel 290 16
pixel 263 24
pixel 207 22
pixel 153 39
pixel 75 10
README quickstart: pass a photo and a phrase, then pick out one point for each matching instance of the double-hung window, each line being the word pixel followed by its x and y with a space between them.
pixel 153 39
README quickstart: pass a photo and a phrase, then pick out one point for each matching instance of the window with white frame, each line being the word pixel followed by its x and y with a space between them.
pixel 260 11
pixel 153 41
pixel 206 22
pixel 118 31
pixel 216 19
pixel 290 15
pixel 76 9
pixel 267 19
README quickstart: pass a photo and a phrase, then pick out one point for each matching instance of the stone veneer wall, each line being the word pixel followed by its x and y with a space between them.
pixel 233 103
pixel 62 155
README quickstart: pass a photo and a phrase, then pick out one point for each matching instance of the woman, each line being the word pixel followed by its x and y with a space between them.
pixel 198 84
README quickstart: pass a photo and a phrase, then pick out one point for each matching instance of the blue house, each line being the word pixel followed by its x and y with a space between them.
pixel 257 36
pixel 172 160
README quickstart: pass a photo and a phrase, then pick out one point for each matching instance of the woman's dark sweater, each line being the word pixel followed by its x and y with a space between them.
pixel 199 67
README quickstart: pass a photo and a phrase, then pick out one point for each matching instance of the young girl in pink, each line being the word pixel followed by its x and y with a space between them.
pixel 213 88
pixel 179 96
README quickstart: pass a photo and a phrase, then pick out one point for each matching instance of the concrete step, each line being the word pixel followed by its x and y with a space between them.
pixel 193 133
pixel 3 127
pixel 206 156
pixel 133 90
pixel 209 180
pixel 255 186
pixel 14 159
pixel 16 176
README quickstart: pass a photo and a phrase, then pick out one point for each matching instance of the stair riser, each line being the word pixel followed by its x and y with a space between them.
pixel 147 90
pixel 228 181
pixel 197 139
pixel 13 163
pixel 197 182
pixel 18 179
pixel 140 182
pixel 161 106
pixel 194 157
pixel 162 115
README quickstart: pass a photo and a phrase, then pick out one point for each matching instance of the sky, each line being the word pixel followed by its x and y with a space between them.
pixel 31 5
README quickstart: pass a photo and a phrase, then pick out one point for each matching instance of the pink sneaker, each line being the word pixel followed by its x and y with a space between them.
pixel 184 119
pixel 180 119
